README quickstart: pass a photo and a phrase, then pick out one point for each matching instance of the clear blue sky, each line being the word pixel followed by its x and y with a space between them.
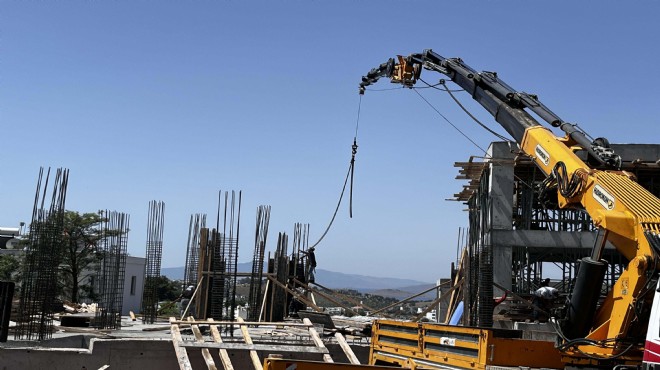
pixel 175 100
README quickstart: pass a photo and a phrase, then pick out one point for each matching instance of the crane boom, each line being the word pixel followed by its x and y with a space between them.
pixel 499 99
pixel 625 214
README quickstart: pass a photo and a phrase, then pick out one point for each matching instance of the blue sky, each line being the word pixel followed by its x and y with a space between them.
pixel 176 100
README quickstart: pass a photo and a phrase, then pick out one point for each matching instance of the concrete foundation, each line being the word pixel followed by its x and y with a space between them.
pixel 82 352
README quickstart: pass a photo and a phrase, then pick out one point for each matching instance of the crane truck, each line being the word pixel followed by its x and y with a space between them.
pixel 623 329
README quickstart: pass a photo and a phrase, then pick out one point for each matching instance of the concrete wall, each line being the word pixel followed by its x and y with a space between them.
pixel 137 354
pixel 133 284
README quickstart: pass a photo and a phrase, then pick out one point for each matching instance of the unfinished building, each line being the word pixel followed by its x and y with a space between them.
pixel 516 238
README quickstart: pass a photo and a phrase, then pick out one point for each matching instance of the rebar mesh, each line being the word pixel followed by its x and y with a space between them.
pixel 111 271
pixel 277 301
pixel 229 248
pixel 261 234
pixel 300 268
pixel 218 277
pixel 191 273
pixel 218 260
pixel 155 226
pixel 42 259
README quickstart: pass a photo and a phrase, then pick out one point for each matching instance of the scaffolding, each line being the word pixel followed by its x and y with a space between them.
pixel 530 211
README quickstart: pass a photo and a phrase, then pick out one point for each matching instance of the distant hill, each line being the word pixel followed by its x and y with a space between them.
pixel 405 292
pixel 338 280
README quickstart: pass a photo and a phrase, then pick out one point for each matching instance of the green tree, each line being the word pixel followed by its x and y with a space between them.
pixel 80 255
pixel 9 266
pixel 166 289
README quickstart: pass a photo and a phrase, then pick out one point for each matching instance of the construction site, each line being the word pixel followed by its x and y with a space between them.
pixel 558 268
pixel 301 185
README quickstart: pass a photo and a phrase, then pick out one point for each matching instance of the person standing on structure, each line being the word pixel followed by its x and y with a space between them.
pixel 543 299
pixel 185 297
pixel 311 264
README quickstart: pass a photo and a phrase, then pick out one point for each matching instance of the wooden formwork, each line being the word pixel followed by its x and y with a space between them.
pixel 215 342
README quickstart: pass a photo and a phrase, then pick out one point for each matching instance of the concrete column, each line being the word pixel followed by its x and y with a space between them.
pixel 500 189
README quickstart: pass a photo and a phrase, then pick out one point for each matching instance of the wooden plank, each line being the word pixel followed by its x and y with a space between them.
pixel 224 355
pixel 297 295
pixel 181 353
pixel 256 347
pixel 253 354
pixel 326 296
pixel 240 323
pixel 263 303
pixel 317 340
pixel 453 301
pixel 192 298
pixel 352 358
pixel 199 338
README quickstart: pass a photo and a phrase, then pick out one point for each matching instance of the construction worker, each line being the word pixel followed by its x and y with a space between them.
pixel 186 295
pixel 543 298
pixel 311 264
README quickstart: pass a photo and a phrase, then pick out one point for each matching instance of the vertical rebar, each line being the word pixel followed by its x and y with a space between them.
pixel 191 275
pixel 42 259
pixel 155 225
pixel 224 263
pixel 278 301
pixel 111 270
pixel 260 237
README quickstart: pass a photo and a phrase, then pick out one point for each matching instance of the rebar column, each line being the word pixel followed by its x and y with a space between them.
pixel 191 275
pixel 155 225
pixel 280 301
pixel 111 270
pixel 42 259
pixel 260 237
pixel 225 257
pixel 217 277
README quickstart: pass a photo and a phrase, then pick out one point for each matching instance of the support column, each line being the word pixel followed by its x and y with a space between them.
pixel 500 189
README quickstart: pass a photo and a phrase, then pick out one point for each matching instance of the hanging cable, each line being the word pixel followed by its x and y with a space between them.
pixel 349 174
pixel 448 121
pixel 501 137
pixel 350 201
pixel 354 151
pixel 442 82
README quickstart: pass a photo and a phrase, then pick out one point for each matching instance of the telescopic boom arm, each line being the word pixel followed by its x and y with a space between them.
pixel 627 215
pixel 499 99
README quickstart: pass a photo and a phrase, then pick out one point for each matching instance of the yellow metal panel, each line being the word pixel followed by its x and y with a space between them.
pixel 577 357
pixel 516 352
pixel 548 150
pixel 464 347
pixel 286 364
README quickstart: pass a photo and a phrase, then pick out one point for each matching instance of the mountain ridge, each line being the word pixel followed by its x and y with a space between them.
pixel 336 280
